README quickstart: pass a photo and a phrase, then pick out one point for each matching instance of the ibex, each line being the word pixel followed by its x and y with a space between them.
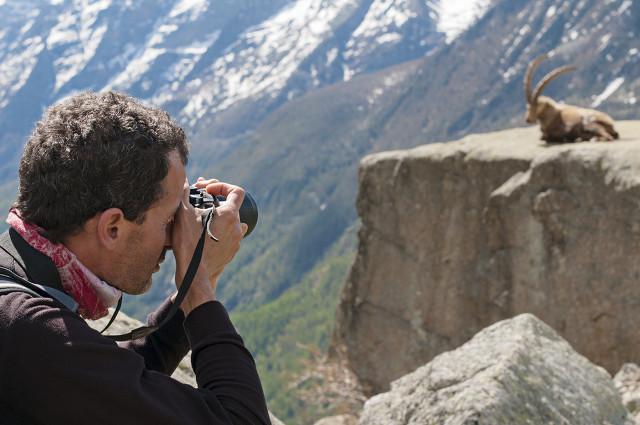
pixel 563 123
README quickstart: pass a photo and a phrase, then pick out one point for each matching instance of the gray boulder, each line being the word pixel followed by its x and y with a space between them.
pixel 517 371
pixel 627 381
pixel 338 420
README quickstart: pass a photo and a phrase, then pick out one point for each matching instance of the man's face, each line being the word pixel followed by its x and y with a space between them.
pixel 148 242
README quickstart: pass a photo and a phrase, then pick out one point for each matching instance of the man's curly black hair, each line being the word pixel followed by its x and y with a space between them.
pixel 92 152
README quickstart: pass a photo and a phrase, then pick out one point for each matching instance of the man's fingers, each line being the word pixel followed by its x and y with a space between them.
pixel 202 182
pixel 243 228
pixel 234 194
pixel 185 192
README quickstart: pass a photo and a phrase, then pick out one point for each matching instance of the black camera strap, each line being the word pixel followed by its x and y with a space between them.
pixel 144 331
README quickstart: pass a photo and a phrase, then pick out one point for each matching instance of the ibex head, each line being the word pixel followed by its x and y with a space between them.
pixel 536 104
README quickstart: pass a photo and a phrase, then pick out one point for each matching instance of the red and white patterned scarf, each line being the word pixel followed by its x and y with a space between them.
pixel 93 295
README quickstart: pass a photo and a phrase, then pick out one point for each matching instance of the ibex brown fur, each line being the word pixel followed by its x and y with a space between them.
pixel 563 123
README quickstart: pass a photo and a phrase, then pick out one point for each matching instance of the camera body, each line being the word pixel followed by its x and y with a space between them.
pixel 200 198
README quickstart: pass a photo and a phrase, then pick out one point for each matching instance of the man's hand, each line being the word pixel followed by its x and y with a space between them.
pixel 225 226
pixel 185 232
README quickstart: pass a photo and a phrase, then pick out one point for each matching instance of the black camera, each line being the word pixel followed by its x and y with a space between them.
pixel 200 198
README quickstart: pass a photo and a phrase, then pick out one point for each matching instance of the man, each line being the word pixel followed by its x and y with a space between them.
pixel 102 196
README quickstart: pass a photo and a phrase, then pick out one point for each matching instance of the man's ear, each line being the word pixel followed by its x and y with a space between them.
pixel 111 227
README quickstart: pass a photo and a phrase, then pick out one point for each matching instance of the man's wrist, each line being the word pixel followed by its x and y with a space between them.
pixel 200 292
pixel 194 299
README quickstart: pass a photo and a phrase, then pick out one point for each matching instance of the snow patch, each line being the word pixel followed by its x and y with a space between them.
pixel 516 41
pixel 191 54
pixel 194 7
pixel 508 74
pixel 139 60
pixel 331 56
pixel 26 27
pixel 68 66
pixel 266 55
pixel 611 88
pixel 15 69
pixel 375 94
pixel 389 81
pixel 551 12
pixel 63 31
pixel 604 42
pixel 167 28
pixel 383 23
pixel 389 38
pixel 75 33
pixel 394 79
pixel 384 14
pixel 136 68
pixel 455 16
pixel 347 73
pixel 624 6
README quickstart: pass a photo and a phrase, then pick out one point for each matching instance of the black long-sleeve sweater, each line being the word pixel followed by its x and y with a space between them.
pixel 55 369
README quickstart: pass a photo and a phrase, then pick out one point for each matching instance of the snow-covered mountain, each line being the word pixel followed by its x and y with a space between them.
pixel 206 61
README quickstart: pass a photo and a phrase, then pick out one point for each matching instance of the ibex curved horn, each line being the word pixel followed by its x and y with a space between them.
pixel 528 76
pixel 547 79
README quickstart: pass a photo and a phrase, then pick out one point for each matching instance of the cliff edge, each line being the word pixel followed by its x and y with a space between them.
pixel 457 236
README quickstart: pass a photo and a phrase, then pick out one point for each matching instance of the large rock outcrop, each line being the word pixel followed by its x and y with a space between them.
pixel 456 236
pixel 518 371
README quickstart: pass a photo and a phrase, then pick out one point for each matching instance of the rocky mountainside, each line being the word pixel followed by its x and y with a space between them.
pixel 456 236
